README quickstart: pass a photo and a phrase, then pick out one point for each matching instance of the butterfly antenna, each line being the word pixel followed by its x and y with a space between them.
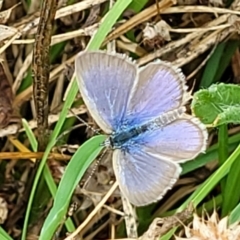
pixel 64 133
pixel 85 123
pixel 94 168
pixel 76 126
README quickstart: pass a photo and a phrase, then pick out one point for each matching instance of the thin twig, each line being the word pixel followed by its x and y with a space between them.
pixel 41 68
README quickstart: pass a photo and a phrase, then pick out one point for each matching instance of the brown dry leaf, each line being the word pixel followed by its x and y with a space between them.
pixel 156 34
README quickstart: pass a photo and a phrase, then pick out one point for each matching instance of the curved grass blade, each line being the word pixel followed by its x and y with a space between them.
pixel 212 66
pixel 223 146
pixel 212 181
pixel 31 137
pixel 75 170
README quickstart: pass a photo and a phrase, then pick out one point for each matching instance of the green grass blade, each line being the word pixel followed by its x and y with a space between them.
pixel 137 5
pixel 42 196
pixel 231 195
pixel 4 235
pixel 31 137
pixel 109 20
pixel 225 61
pixel 212 66
pixel 223 149
pixel 235 215
pixel 212 181
pixel 75 170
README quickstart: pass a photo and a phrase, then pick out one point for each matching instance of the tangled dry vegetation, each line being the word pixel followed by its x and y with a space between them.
pixel 185 33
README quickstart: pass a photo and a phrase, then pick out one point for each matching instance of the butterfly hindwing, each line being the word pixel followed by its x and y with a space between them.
pixel 179 141
pixel 143 178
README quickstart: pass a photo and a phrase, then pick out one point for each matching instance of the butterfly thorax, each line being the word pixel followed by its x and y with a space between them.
pixel 120 138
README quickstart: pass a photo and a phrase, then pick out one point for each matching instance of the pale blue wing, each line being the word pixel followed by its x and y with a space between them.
pixel 143 178
pixel 159 88
pixel 105 81
pixel 179 141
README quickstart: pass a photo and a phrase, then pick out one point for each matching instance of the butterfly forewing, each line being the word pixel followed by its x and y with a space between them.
pixel 158 89
pixel 105 82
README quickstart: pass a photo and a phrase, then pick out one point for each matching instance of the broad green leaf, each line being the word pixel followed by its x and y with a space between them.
pixel 217 105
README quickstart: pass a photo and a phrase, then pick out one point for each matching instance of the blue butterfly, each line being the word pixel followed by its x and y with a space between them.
pixel 142 110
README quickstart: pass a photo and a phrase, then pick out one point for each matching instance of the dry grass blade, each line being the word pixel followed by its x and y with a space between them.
pixel 208 40
pixel 6 99
pixel 130 218
pixel 4 15
pixel 160 226
pixel 29 155
pixel 93 213
pixel 7 32
pixel 139 18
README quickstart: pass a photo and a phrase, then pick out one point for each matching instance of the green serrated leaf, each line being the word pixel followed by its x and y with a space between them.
pixel 217 105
